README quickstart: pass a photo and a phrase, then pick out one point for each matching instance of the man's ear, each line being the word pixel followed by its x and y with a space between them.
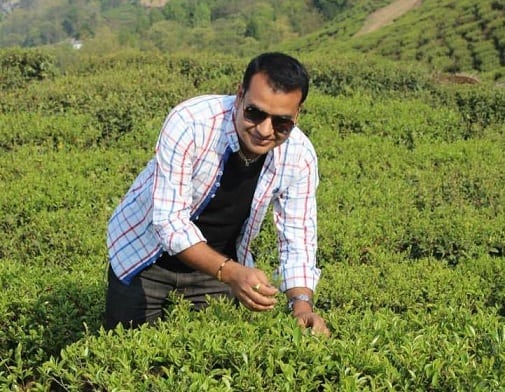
pixel 300 108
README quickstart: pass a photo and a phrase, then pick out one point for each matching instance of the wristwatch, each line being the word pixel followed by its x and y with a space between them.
pixel 300 297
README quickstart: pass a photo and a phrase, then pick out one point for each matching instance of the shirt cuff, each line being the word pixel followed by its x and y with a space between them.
pixel 299 276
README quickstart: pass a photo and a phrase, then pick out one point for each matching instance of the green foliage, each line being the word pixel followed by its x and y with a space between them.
pixel 438 200
pixel 329 8
pixel 173 357
pixel 451 36
pixel 411 233
pixel 481 108
pixel 43 313
pixel 190 13
pixel 226 27
pixel 335 75
pixel 18 67
pixel 447 36
pixel 450 347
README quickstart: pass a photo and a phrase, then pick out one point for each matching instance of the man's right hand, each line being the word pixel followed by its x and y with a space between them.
pixel 251 286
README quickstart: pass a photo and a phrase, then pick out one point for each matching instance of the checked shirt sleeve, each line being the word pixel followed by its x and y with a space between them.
pixel 172 186
pixel 295 217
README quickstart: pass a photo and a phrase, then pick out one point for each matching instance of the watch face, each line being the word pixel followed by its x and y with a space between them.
pixel 300 297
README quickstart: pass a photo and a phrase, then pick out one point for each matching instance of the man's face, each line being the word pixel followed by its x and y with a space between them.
pixel 277 107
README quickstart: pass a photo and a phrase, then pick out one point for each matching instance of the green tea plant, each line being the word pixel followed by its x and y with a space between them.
pixel 18 67
pixel 450 36
pixel 411 235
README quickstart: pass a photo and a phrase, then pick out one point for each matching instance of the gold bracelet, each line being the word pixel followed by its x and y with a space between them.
pixel 220 269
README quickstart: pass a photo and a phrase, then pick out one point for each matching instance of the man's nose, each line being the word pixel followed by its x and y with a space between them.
pixel 265 128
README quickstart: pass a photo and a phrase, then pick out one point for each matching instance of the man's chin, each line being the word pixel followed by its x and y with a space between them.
pixel 260 147
pixel 260 150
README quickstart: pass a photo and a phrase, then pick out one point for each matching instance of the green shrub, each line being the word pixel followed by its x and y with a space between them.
pixel 53 131
pixel 411 235
pixel 20 66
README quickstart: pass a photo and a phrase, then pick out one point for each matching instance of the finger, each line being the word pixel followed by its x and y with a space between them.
pixel 320 328
pixel 269 290
pixel 260 308
pixel 261 299
pixel 246 301
pixel 250 304
pixel 265 283
pixel 265 289
pixel 321 331
pixel 316 323
pixel 301 322
pixel 257 301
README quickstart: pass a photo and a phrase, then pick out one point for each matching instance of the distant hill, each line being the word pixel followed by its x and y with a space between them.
pixel 453 36
pixel 449 36
pixel 153 3
pixel 175 25
pixel 387 15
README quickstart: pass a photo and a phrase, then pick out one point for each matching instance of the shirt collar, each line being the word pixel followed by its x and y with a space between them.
pixel 231 133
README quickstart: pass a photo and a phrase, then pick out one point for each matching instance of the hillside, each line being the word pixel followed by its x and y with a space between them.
pixel 445 35
pixel 387 15
pixel 411 240
pixel 178 25
pixel 452 36
pixel 153 3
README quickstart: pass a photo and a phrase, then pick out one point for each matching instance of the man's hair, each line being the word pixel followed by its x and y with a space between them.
pixel 284 73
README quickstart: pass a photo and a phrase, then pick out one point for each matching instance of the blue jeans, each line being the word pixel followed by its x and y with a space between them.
pixel 144 299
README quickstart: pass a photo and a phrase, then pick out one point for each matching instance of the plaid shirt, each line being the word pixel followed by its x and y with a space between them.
pixel 158 211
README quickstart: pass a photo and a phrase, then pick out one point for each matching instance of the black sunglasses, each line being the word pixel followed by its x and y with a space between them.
pixel 281 124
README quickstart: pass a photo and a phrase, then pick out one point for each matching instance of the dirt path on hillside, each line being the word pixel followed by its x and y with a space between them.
pixel 387 15
pixel 153 3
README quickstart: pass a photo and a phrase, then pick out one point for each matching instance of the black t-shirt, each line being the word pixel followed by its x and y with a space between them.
pixel 221 220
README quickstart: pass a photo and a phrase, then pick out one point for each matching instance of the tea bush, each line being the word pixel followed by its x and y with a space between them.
pixel 411 235
pixel 448 347
pixel 20 66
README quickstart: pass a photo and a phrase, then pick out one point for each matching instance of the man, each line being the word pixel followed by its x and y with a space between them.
pixel 187 222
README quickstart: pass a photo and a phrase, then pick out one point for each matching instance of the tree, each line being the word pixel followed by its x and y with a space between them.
pixel 71 22
pixel 329 8
pixel 176 10
pixel 167 35
pixel 259 24
pixel 200 15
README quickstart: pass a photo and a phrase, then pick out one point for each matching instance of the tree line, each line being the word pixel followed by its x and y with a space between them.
pixel 179 24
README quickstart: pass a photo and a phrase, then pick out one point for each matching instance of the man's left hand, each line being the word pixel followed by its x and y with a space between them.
pixel 314 321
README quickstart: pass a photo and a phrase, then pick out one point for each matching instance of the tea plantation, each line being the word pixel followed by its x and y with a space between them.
pixel 411 232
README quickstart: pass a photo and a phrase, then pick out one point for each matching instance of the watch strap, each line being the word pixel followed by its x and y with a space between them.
pixel 299 297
